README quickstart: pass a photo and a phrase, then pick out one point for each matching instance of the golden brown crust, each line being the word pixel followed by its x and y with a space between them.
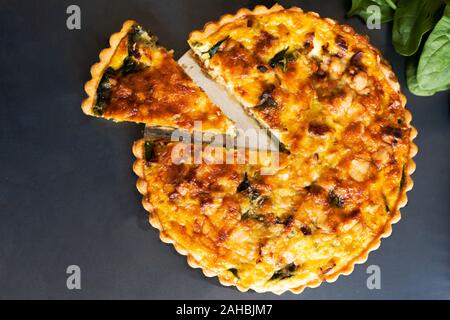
pixel 374 244
pixel 99 68
pixel 141 82
pixel 141 185
pixel 212 27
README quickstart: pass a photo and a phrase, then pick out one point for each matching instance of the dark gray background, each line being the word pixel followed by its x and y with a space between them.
pixel 67 190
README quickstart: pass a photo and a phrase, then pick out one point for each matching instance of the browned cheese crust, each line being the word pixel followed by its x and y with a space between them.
pixel 306 78
pixel 138 81
pixel 334 101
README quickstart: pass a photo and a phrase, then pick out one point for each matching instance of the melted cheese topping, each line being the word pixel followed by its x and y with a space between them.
pixel 272 233
pixel 333 104
pixel 310 70
pixel 144 84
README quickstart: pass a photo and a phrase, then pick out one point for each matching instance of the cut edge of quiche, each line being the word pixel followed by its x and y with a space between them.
pixel 405 186
pixel 148 86
pixel 266 98
pixel 212 27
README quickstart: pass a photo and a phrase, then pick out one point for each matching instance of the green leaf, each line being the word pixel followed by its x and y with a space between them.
pixel 213 50
pixel 286 272
pixel 412 19
pixel 137 35
pixel 129 65
pixel 281 59
pixel 411 79
pixel 413 85
pixel 391 4
pixel 433 71
pixel 103 92
pixel 360 8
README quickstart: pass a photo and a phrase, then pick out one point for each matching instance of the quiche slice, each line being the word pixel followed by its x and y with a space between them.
pixel 337 106
pixel 305 224
pixel 137 80
pixel 303 77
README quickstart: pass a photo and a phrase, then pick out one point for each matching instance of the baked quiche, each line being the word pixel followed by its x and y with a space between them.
pixel 323 90
pixel 303 77
pixel 335 103
pixel 137 80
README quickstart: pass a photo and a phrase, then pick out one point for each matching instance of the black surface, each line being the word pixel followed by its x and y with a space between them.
pixel 67 190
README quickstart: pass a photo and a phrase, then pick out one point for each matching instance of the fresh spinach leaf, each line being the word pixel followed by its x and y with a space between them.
pixel 412 19
pixel 392 4
pixel 433 71
pixel 413 85
pixel 359 8
pixel 411 79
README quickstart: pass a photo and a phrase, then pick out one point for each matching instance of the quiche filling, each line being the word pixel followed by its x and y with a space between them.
pixel 303 77
pixel 143 83
pixel 302 224
pixel 329 97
